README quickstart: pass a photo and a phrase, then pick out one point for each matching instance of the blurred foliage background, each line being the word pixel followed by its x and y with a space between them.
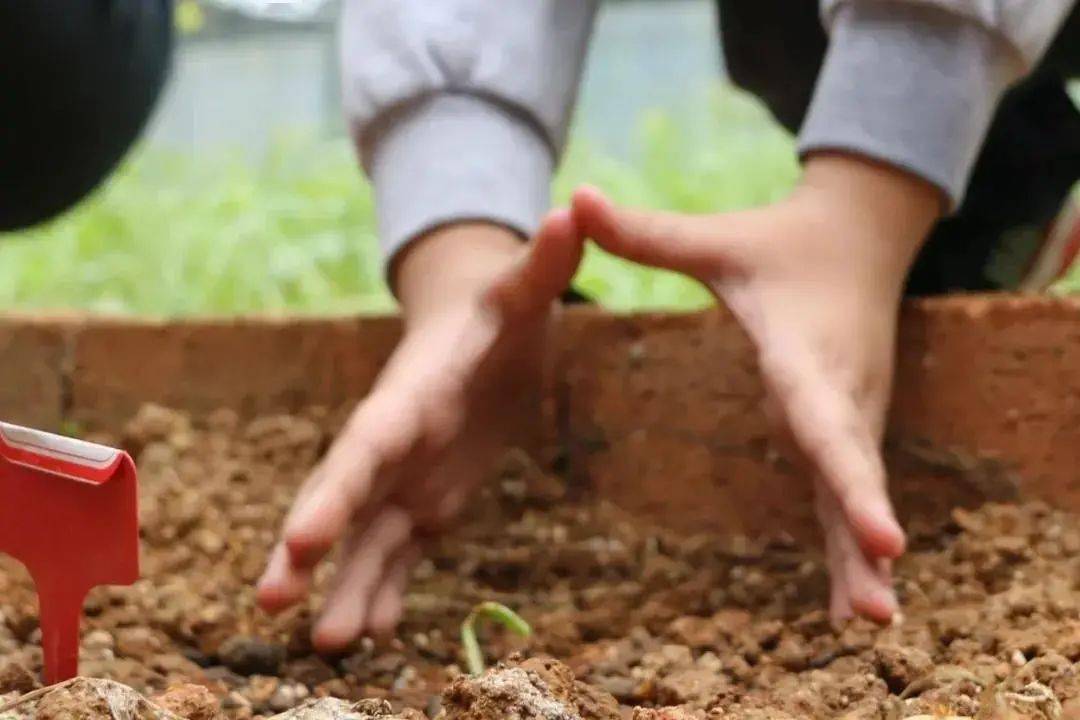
pixel 175 234
pixel 178 232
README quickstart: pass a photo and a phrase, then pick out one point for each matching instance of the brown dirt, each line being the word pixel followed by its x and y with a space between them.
pixel 640 617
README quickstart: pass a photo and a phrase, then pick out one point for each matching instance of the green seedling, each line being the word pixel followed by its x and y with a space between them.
pixel 495 612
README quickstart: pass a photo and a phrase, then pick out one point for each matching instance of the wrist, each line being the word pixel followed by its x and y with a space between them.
pixel 449 267
pixel 893 207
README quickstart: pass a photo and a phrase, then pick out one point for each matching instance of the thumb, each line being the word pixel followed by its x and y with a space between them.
pixel 690 244
pixel 543 272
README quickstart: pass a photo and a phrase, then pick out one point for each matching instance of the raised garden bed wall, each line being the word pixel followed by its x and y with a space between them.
pixel 659 413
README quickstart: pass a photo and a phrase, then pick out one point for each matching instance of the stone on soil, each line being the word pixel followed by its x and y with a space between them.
pixel 193 702
pixel 334 709
pixel 89 699
pixel 539 688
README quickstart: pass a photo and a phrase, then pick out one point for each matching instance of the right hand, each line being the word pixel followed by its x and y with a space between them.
pixel 815 280
pixel 477 307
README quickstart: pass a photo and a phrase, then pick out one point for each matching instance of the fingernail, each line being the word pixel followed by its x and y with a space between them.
pixel 882 511
pixel 264 580
pixel 887 600
pixel 885 528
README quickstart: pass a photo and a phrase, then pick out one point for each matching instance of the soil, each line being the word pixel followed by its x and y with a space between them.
pixel 630 621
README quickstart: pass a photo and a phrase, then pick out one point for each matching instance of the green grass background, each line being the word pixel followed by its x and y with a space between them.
pixel 175 235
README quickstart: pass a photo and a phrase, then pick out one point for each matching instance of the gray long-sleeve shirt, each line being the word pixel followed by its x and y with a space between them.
pixel 460 107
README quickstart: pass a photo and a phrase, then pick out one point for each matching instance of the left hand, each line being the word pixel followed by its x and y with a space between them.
pixel 477 307
pixel 816 282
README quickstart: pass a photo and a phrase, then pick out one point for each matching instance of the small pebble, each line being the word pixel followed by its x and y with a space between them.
pixel 208 542
pixel 287 696
pixel 251 656
pixel 137 642
pixel 235 700
pixel 259 690
pixel 97 640
pixel 16 678
pixel 190 701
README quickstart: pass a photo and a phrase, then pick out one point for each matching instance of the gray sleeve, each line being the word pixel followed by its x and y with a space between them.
pixel 1025 26
pixel 916 84
pixel 460 108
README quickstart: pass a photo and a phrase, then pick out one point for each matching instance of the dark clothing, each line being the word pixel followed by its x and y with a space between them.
pixel 78 82
pixel 1027 167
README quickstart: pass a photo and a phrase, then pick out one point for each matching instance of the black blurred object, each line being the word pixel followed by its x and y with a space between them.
pixel 78 81
pixel 571 296
pixel 1028 166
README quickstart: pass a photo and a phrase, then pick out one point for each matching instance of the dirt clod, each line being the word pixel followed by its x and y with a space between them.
pixel 334 709
pixel 194 702
pixel 537 688
pixel 900 666
pixel 87 699
pixel 251 656
pixel 15 677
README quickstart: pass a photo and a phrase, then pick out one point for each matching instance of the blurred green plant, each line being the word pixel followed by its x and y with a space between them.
pixel 171 235
pixel 177 235
pixel 188 17
pixel 747 160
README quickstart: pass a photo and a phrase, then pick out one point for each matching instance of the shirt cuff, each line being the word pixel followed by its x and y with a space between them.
pixel 910 85
pixel 455 157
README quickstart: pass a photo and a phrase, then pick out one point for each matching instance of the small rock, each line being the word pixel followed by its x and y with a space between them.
pixel 696 632
pixel 334 709
pixel 792 655
pixel 405 678
pixel 208 541
pixel 259 690
pixel 15 677
pixel 899 666
pixel 155 423
pixel 621 687
pixel 310 671
pixel 389 663
pixel 251 656
pixel 1012 547
pixel 695 687
pixel 664 713
pixel 171 664
pixel 535 688
pixel 98 640
pixel 336 688
pixel 137 642
pixel 22 626
pixel 90 699
pixel 193 702
pixel 196 655
pixel 235 700
pixel 287 696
